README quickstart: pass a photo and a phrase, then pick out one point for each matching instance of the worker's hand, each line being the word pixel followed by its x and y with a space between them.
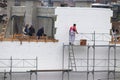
pixel 76 32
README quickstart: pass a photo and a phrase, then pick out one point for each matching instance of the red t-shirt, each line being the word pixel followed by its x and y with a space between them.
pixel 73 28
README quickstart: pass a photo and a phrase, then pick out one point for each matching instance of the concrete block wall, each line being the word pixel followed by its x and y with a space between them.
pixel 18 11
pixel 36 16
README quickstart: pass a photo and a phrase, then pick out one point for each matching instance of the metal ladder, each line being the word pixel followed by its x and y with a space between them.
pixel 72 62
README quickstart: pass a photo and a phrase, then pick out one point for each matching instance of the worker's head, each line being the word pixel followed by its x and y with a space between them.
pixel 27 25
pixel 74 24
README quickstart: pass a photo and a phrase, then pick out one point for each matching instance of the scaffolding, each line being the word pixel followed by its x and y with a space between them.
pixel 111 67
pixel 11 66
pixel 91 62
pixel 25 66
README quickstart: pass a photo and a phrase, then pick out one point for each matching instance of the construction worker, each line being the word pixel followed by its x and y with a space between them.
pixel 26 29
pixel 40 32
pixel 31 31
pixel 72 32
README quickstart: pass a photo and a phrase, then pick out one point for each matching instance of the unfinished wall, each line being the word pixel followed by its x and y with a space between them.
pixel 50 54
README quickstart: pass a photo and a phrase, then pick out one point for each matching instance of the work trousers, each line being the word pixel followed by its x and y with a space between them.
pixel 71 37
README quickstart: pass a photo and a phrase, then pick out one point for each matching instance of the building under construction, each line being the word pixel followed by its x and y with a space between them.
pixel 94 55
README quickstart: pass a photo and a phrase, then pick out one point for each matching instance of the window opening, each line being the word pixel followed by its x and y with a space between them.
pixel 48 24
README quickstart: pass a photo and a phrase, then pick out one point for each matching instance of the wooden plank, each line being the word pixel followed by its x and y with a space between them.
pixel 26 39
pixel 51 70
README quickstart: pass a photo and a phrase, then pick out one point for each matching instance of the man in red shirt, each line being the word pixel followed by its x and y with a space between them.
pixel 72 33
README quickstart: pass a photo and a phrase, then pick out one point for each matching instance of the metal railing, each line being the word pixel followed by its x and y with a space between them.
pixel 19 64
pixel 94 37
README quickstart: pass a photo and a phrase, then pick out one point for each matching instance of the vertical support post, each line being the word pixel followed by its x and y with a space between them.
pixel 11 21
pixel 68 75
pixel 114 61
pixel 94 57
pixel 5 75
pixel 12 31
pixel 109 62
pixel 63 62
pixel 52 27
pixel 63 57
pixel 93 61
pixel 11 68
pixel 69 58
pixel 30 75
pixel 62 75
pixel 114 67
pixel 88 61
pixel 94 38
pixel 36 68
